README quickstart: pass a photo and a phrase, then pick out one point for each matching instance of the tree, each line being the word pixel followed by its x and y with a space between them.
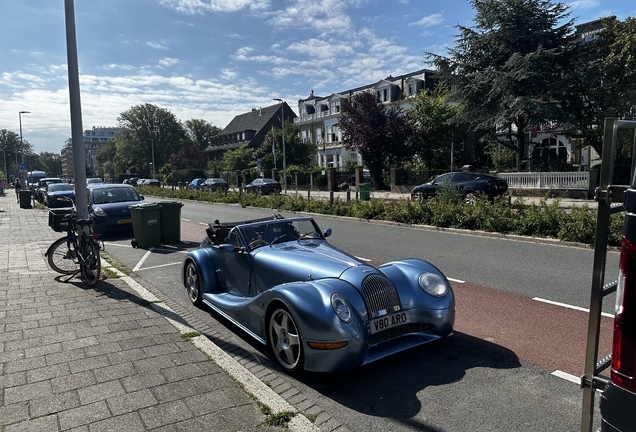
pixel 200 132
pixel 434 126
pixel 603 82
pixel 10 146
pixel 506 71
pixel 147 132
pixel 297 152
pixel 378 132
pixel 188 156
pixel 239 159
pixel 51 163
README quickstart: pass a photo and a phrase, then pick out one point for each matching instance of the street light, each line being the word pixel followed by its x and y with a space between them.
pixel 152 147
pixel 282 121
pixel 21 144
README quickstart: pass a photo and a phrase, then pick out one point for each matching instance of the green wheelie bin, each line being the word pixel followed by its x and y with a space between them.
pixel 170 221
pixel 365 191
pixel 146 221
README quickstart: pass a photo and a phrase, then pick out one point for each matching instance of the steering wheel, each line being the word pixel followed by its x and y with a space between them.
pixel 258 243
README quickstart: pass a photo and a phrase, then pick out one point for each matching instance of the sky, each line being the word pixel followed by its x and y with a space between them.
pixel 215 59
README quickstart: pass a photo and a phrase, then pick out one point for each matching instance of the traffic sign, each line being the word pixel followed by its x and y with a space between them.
pixel 23 167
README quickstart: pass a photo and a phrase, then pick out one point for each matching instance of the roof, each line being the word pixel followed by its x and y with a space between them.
pixel 253 120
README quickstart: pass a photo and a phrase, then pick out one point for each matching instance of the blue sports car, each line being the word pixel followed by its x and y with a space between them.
pixel 318 308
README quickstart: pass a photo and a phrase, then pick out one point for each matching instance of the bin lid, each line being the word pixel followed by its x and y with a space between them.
pixel 144 207
pixel 171 203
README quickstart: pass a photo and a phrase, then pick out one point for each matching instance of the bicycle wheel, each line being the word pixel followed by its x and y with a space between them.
pixel 92 266
pixel 61 258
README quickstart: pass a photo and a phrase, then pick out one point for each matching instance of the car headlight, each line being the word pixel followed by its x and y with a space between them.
pixel 341 308
pixel 433 284
pixel 99 212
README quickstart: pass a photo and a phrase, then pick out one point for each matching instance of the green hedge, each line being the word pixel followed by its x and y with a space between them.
pixel 533 220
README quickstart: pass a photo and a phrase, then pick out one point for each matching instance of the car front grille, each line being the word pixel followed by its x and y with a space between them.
pixel 381 295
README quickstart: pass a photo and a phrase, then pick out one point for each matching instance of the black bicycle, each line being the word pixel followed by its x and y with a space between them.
pixel 78 251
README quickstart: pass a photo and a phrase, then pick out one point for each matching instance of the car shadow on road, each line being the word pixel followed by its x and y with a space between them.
pixel 390 387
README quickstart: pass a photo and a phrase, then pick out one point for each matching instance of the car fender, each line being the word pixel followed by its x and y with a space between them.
pixel 405 274
pixel 310 305
pixel 204 260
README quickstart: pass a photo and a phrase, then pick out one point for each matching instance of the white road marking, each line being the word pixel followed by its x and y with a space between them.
pixel 202 223
pixel 566 376
pixel 157 266
pixel 187 220
pixel 455 280
pixel 605 314
pixel 143 259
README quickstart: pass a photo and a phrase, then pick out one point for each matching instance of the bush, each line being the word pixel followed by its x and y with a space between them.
pixel 448 211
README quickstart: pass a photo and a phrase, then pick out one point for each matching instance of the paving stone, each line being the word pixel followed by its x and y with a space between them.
pixel 164 414
pixel 83 415
pixel 27 391
pixel 40 424
pixel 131 402
pixel 50 405
pixel 100 391
pixel 128 422
pixel 138 381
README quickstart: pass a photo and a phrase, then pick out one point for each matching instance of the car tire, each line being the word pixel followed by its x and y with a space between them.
pixel 469 197
pixel 419 196
pixel 285 339
pixel 193 284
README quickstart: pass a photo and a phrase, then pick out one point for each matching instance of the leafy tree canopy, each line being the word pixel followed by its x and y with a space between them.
pixel 144 130
pixel 188 156
pixel 297 152
pixel 200 132
pixel 603 83
pixel 434 126
pixel 239 159
pixel 506 70
pixel 378 132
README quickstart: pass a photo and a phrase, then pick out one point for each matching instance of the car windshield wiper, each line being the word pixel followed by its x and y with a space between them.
pixel 280 237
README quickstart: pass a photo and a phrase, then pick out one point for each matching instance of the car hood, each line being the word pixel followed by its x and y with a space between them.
pixel 303 260
pixel 118 208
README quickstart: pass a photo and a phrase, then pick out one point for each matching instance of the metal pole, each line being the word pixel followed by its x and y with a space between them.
pixel 282 121
pixel 21 148
pixel 152 148
pixel 79 163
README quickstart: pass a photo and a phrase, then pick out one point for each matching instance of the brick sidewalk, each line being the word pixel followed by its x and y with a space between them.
pixel 104 358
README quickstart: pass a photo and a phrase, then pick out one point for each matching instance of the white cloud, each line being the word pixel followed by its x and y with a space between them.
pixel 156 45
pixel 202 6
pixel 429 20
pixel 168 62
pixel 583 4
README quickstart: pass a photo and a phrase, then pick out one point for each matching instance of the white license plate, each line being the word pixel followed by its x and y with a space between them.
pixel 387 322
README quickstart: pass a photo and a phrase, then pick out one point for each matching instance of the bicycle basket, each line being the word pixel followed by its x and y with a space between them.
pixel 57 219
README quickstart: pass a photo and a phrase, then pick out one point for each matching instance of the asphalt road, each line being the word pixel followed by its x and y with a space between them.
pixel 495 373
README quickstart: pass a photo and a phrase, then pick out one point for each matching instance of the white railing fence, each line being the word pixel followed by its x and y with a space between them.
pixel 577 180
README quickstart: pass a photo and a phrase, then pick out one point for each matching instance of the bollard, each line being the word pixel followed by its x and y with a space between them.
pixel 331 197
pixel 348 195
pixel 308 194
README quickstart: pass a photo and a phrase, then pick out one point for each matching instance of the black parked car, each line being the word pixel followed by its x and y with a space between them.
pixel 470 184
pixel 213 184
pixel 263 186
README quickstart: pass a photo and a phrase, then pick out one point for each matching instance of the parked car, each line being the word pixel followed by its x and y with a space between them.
pixel 93 181
pixel 109 206
pixel 151 182
pixel 214 184
pixel 196 183
pixel 139 182
pixel 40 188
pixel 318 308
pixel 263 186
pixel 131 181
pixel 470 184
pixel 56 195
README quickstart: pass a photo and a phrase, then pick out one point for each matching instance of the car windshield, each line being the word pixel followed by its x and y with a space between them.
pixel 55 187
pixel 114 195
pixel 279 231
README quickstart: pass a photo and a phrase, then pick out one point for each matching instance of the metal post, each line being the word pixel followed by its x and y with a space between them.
pixel 282 120
pixel 79 163
pixel 152 144
pixel 21 147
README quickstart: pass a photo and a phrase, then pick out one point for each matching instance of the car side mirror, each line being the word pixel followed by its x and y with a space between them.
pixel 142 197
pixel 226 247
pixel 327 232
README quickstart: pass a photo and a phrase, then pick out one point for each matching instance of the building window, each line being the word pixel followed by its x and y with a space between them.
pixel 412 89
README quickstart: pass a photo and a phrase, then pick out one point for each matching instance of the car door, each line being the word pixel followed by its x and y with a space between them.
pixel 438 182
pixel 236 266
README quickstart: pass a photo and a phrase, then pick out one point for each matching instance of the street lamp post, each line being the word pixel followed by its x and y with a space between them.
pixel 282 121
pixel 21 146
pixel 152 147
